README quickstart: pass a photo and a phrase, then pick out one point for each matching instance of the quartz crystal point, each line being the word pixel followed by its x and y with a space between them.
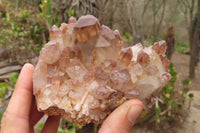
pixel 84 73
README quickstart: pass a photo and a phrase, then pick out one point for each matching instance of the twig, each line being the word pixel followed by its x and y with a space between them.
pixel 164 112
pixel 160 100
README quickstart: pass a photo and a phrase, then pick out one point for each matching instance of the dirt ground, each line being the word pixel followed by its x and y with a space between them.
pixel 192 122
pixel 181 65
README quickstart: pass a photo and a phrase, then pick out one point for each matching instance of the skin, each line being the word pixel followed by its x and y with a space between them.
pixel 21 114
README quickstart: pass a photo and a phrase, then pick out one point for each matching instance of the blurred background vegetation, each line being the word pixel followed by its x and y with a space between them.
pixel 24 29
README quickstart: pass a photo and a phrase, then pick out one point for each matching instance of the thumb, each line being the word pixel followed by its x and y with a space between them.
pixel 122 119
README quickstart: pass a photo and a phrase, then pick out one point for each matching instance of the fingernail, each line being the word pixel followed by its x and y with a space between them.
pixel 134 112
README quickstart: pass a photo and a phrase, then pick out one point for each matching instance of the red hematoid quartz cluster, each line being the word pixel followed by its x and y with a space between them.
pixel 84 73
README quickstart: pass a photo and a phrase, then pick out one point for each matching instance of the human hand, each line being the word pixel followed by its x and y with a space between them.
pixel 21 114
pixel 122 119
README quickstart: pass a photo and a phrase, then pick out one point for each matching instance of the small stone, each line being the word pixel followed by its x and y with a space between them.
pixel 84 73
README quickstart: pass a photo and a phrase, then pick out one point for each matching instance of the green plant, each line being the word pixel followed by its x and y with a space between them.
pixel 8 86
pixel 127 38
pixel 61 130
pixel 191 98
pixel 70 13
pixel 39 128
pixel 185 89
pixel 166 103
pixel 24 16
pixel 13 79
pixel 0 116
pixel 5 87
pixel 181 47
pixel 22 32
pixel 152 40
pixel 46 10
pixel 157 116
pixel 3 90
pixel 69 127
pixel 15 33
pixel 171 102
pixel 169 89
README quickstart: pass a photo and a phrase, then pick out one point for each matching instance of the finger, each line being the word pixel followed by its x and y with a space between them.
pixel 122 119
pixel 35 115
pixel 16 117
pixel 20 102
pixel 51 125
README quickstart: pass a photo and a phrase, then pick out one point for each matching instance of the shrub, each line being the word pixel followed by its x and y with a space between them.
pixel 22 32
